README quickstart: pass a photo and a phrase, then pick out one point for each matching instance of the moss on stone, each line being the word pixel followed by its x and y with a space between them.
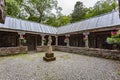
pixel 65 57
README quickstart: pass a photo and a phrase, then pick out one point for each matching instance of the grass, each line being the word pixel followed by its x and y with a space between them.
pixel 118 73
pixel 24 56
pixel 2 58
pixel 65 57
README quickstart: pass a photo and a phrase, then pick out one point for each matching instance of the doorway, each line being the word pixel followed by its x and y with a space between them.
pixel 31 42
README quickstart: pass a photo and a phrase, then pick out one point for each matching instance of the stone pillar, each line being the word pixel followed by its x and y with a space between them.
pixel 86 39
pixel 21 36
pixel 68 41
pixel 56 40
pixel 43 40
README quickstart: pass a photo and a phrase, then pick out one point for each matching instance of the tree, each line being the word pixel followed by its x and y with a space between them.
pixel 58 21
pixel 64 20
pixel 13 8
pixel 78 12
pixel 41 11
pixel 38 9
pixel 101 7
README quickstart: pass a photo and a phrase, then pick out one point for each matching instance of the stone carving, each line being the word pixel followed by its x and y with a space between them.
pixel 49 41
pixel 2 11
pixel 49 56
pixel 49 45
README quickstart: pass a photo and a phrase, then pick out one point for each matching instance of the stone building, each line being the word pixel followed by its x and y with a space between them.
pixel 95 29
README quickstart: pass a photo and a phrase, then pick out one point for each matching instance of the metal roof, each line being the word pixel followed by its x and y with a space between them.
pixel 102 21
pixel 18 24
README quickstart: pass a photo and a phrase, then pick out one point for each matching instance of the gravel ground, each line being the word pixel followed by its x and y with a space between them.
pixel 67 67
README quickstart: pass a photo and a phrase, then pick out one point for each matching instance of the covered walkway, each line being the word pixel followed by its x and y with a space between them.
pixel 95 30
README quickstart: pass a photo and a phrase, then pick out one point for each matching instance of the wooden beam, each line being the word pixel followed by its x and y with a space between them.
pixel 30 32
pixel 93 30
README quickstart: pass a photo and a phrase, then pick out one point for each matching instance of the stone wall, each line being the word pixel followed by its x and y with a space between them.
pixel 42 48
pixel 13 50
pixel 104 53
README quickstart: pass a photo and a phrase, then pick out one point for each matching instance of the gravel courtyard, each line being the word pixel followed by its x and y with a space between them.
pixel 67 67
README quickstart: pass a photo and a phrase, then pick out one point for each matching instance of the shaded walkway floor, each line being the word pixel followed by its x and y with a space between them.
pixel 67 67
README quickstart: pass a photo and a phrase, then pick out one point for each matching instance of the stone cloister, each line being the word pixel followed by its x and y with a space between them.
pixel 88 34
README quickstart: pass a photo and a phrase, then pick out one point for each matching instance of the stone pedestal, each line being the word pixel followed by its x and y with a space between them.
pixel 49 57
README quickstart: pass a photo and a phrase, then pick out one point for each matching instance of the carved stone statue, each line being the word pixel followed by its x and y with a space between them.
pixel 49 45
pixel 49 41
pixel 2 11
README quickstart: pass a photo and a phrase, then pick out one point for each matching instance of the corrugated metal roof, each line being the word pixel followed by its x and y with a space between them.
pixel 18 24
pixel 105 20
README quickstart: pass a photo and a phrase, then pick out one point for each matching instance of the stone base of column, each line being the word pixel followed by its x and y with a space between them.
pixel 49 57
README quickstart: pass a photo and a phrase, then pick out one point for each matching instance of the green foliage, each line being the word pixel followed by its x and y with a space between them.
pixel 12 8
pixel 23 41
pixel 118 73
pixel 101 7
pixel 118 40
pixel 41 11
pixel 114 39
pixel 78 13
pixel 38 10
pixel 58 21
pixel 33 18
pixel 110 40
pixel 104 6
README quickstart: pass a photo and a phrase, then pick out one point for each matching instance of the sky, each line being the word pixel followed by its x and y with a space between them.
pixel 68 5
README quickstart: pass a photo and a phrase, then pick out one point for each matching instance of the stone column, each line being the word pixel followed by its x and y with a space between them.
pixel 21 36
pixel 43 39
pixel 68 41
pixel 56 40
pixel 86 34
